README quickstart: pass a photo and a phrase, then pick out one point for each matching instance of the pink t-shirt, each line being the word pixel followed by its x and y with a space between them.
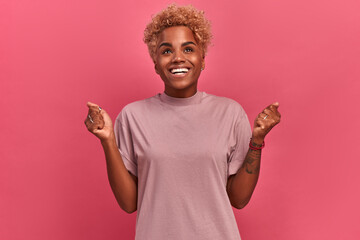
pixel 182 150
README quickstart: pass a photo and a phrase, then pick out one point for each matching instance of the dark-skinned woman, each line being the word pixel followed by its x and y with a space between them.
pixel 182 158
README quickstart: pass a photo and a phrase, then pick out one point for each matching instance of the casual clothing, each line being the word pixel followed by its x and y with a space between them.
pixel 183 150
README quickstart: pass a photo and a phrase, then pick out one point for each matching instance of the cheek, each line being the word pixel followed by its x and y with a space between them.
pixel 159 67
pixel 162 63
pixel 196 60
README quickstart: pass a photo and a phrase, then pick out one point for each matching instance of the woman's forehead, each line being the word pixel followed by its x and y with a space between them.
pixel 176 34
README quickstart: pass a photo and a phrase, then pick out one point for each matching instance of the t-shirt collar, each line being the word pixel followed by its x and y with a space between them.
pixel 194 99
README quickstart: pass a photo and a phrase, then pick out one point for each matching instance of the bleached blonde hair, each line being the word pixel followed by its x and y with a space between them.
pixel 175 15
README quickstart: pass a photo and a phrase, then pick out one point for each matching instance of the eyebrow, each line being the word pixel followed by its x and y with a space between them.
pixel 168 44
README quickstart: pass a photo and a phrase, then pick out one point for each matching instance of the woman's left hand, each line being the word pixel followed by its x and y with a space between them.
pixel 265 121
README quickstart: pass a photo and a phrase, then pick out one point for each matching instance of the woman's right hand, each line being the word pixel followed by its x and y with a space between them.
pixel 99 122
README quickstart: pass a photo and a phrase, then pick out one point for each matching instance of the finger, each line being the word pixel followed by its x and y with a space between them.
pixel 90 104
pixel 261 123
pixel 271 117
pixel 276 112
pixel 262 115
pixel 94 107
pixel 87 122
pixel 94 127
pixel 102 112
pixel 105 115
pixel 97 124
pixel 268 112
pixel 96 118
pixel 101 122
pixel 275 104
pixel 268 120
pixel 273 107
pixel 94 112
pixel 91 126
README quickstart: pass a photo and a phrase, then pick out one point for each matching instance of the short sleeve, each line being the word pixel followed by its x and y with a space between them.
pixel 242 133
pixel 124 142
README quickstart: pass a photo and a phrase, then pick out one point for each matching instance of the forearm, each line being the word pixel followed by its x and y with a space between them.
pixel 241 186
pixel 122 184
pixel 243 183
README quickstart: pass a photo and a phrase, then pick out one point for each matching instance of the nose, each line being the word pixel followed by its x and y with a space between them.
pixel 178 56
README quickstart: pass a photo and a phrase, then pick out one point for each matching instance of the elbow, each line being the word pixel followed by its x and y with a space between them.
pixel 240 205
pixel 129 210
pixel 127 207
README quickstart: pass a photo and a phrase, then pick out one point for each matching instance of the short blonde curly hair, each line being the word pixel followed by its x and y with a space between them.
pixel 175 15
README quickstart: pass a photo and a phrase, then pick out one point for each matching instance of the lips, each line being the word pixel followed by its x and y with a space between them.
pixel 179 74
pixel 179 71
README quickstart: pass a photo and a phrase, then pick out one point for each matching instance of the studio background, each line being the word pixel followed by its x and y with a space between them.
pixel 57 55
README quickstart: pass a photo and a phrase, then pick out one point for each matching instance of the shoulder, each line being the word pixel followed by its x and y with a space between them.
pixel 224 102
pixel 134 108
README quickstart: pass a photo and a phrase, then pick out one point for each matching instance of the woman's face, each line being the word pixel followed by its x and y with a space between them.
pixel 178 61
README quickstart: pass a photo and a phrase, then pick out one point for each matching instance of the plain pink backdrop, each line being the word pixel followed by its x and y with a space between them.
pixel 57 55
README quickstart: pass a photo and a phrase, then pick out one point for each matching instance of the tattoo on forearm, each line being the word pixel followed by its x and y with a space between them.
pixel 252 161
pixel 256 145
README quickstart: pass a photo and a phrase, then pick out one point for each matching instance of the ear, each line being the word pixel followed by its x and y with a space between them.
pixel 155 66
pixel 156 70
pixel 203 63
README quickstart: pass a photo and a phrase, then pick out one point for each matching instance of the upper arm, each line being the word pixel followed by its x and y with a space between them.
pixel 134 178
pixel 229 181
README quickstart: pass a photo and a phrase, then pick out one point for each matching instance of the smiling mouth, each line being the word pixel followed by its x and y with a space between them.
pixel 179 71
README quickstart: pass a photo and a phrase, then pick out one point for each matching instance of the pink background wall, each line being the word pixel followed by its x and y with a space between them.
pixel 57 55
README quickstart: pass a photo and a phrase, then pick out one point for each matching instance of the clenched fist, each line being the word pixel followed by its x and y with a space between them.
pixel 99 122
pixel 265 121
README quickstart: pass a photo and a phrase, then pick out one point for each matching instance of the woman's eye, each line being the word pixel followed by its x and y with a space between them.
pixel 166 51
pixel 188 49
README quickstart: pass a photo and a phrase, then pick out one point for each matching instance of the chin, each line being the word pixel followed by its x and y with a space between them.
pixel 180 84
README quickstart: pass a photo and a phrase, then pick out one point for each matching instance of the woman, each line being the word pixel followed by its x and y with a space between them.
pixel 183 157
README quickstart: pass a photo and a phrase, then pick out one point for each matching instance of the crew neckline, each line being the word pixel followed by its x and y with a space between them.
pixel 194 99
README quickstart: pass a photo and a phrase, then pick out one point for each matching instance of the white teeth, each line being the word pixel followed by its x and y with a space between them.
pixel 179 70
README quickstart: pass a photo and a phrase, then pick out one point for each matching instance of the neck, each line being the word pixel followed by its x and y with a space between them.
pixel 180 93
